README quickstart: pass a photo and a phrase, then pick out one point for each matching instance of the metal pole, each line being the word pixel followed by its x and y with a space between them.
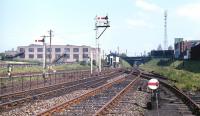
pixel 157 103
pixel 30 81
pixel 37 80
pixel 22 83
pixel 12 84
pixel 50 78
pixel 97 52
pixel 91 61
pixel 99 58
pixel 50 34
pixel 1 85
pixel 44 61
pixel 44 56
pixel 55 76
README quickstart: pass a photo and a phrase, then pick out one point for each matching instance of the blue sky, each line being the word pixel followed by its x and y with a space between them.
pixel 136 25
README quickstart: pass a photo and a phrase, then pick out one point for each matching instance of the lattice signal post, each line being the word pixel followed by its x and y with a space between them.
pixel 165 30
pixel 104 23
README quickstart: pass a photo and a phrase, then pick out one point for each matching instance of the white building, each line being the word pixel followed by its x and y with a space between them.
pixel 69 53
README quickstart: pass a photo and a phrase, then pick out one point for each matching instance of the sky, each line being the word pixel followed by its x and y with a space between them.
pixel 136 25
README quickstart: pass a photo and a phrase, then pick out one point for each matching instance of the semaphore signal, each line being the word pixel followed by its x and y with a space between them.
pixel 42 40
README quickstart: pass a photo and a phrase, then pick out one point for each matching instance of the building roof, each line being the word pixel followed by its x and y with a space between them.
pixel 38 45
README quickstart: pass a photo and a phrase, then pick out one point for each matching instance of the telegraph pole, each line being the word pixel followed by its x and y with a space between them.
pixel 50 36
pixel 91 62
pixel 101 22
pixel 44 53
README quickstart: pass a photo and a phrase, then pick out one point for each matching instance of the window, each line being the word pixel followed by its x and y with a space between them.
pixel 85 56
pixel 31 49
pixel 67 56
pixel 21 49
pixel 39 49
pixel 76 56
pixel 67 50
pixel 75 50
pixel 85 49
pixel 57 50
pixel 39 55
pixel 49 49
pixel 31 55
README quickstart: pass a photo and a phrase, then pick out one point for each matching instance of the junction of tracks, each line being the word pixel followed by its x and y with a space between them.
pixel 113 92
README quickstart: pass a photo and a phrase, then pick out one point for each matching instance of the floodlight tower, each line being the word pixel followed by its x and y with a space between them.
pixel 165 30
pixel 100 22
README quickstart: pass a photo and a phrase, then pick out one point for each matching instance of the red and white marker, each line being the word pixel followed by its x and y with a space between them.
pixel 42 40
pixel 153 84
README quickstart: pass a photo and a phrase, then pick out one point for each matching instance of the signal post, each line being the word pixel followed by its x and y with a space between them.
pixel 100 22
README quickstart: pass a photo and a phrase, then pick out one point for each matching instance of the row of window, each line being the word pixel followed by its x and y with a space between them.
pixel 75 56
pixel 56 49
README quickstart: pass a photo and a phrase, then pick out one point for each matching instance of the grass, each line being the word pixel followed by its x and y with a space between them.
pixel 71 67
pixel 75 66
pixel 125 64
pixel 40 69
pixel 185 77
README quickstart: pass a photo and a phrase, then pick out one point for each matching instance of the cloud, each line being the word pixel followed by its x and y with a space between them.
pixel 190 11
pixel 138 23
pixel 148 6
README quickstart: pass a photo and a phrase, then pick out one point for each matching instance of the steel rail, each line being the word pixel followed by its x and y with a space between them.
pixel 37 96
pixel 103 110
pixel 39 88
pixel 194 107
pixel 76 100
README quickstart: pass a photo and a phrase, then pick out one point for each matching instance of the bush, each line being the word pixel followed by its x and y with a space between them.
pixel 83 63
pixel 94 62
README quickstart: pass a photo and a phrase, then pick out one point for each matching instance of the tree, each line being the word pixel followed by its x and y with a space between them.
pixel 170 47
pixel 159 47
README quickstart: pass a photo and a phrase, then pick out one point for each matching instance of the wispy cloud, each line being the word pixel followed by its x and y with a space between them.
pixel 191 11
pixel 138 23
pixel 147 6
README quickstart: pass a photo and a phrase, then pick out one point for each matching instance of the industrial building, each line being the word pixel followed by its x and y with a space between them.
pixel 182 48
pixel 178 48
pixel 195 52
pixel 61 53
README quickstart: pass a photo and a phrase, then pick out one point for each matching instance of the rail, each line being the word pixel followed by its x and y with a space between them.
pixel 187 100
pixel 62 106
pixel 109 104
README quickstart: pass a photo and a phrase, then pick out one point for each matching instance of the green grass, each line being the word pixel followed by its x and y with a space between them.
pixel 186 77
pixel 125 64
pixel 71 67
pixel 40 69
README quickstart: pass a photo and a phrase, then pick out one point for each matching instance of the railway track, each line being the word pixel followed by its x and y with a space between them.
pixel 31 81
pixel 116 96
pixel 12 100
pixel 26 82
pixel 127 103
pixel 196 98
pixel 94 100
pixel 172 99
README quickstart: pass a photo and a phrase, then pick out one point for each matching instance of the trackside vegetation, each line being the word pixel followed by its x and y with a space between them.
pixel 184 74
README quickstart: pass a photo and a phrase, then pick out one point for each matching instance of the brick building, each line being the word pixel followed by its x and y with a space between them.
pixel 182 48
